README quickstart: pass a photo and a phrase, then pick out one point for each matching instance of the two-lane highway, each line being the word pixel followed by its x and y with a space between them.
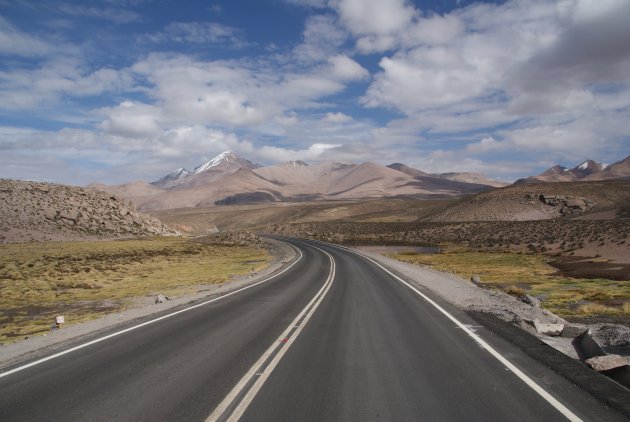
pixel 335 337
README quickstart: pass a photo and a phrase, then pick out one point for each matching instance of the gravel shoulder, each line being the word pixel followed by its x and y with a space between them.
pixel 143 309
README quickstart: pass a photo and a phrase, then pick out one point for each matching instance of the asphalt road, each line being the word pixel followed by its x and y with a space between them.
pixel 332 338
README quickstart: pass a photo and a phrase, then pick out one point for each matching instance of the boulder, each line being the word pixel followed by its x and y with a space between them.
pixel 605 363
pixel 161 298
pixel 548 329
pixel 531 300
pixel 572 331
pixel 50 213
pixel 475 279
pixel 70 215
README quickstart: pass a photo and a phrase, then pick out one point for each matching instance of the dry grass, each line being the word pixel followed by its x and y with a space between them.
pixel 521 273
pixel 83 280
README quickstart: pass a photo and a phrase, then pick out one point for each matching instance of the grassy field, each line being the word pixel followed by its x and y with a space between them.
pixel 521 273
pixel 84 280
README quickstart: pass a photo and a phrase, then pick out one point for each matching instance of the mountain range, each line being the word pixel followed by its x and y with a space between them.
pixel 589 170
pixel 230 179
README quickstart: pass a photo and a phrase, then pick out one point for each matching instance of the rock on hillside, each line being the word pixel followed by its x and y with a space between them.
pixel 524 202
pixel 31 211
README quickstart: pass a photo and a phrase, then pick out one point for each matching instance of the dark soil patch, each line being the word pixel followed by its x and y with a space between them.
pixel 580 268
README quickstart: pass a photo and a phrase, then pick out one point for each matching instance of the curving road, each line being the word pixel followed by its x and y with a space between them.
pixel 333 337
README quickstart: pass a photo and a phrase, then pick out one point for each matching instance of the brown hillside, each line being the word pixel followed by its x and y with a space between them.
pixel 31 211
pixel 523 202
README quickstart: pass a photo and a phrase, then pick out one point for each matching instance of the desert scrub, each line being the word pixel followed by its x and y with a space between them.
pixel 520 273
pixel 83 280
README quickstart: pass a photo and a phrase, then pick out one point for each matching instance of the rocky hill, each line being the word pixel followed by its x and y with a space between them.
pixel 542 201
pixel 31 211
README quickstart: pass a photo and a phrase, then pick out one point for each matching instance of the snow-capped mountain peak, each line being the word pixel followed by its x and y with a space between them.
pixel 180 172
pixel 224 157
pixel 586 168
pixel 171 178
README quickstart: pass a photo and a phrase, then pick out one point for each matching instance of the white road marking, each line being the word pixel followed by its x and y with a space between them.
pixel 135 327
pixel 527 380
pixel 287 340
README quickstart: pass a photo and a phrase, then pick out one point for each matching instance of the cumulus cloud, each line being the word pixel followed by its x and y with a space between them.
pixel 278 154
pixel 367 17
pixel 346 69
pixel 46 85
pixel 591 50
pixel 322 37
pixel 133 120
pixel 337 118
pixel 377 24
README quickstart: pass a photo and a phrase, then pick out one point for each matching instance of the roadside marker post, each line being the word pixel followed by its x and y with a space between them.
pixel 60 320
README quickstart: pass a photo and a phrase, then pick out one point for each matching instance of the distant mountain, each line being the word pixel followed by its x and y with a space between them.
pixel 297 163
pixel 224 163
pixel 588 170
pixel 230 179
pixel 227 160
pixel 463 182
pixel 476 178
pixel 618 170
pixel 407 170
pixel 171 179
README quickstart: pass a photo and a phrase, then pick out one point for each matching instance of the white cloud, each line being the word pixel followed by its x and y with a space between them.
pixel 368 17
pixel 321 39
pixel 44 86
pixel 434 30
pixel 346 69
pixel 485 145
pixel 115 14
pixel 337 118
pixel 198 33
pixel 133 120
pixel 376 23
pixel 13 41
pixel 314 152
pixel 425 78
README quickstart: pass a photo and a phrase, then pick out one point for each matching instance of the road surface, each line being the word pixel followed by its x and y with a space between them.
pixel 333 338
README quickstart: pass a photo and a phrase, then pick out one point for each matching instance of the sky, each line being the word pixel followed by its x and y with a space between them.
pixel 113 91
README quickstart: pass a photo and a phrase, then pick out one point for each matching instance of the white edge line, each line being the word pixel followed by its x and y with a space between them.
pixel 527 380
pixel 251 394
pixel 135 327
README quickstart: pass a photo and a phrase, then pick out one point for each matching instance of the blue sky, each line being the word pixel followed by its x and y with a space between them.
pixel 120 90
